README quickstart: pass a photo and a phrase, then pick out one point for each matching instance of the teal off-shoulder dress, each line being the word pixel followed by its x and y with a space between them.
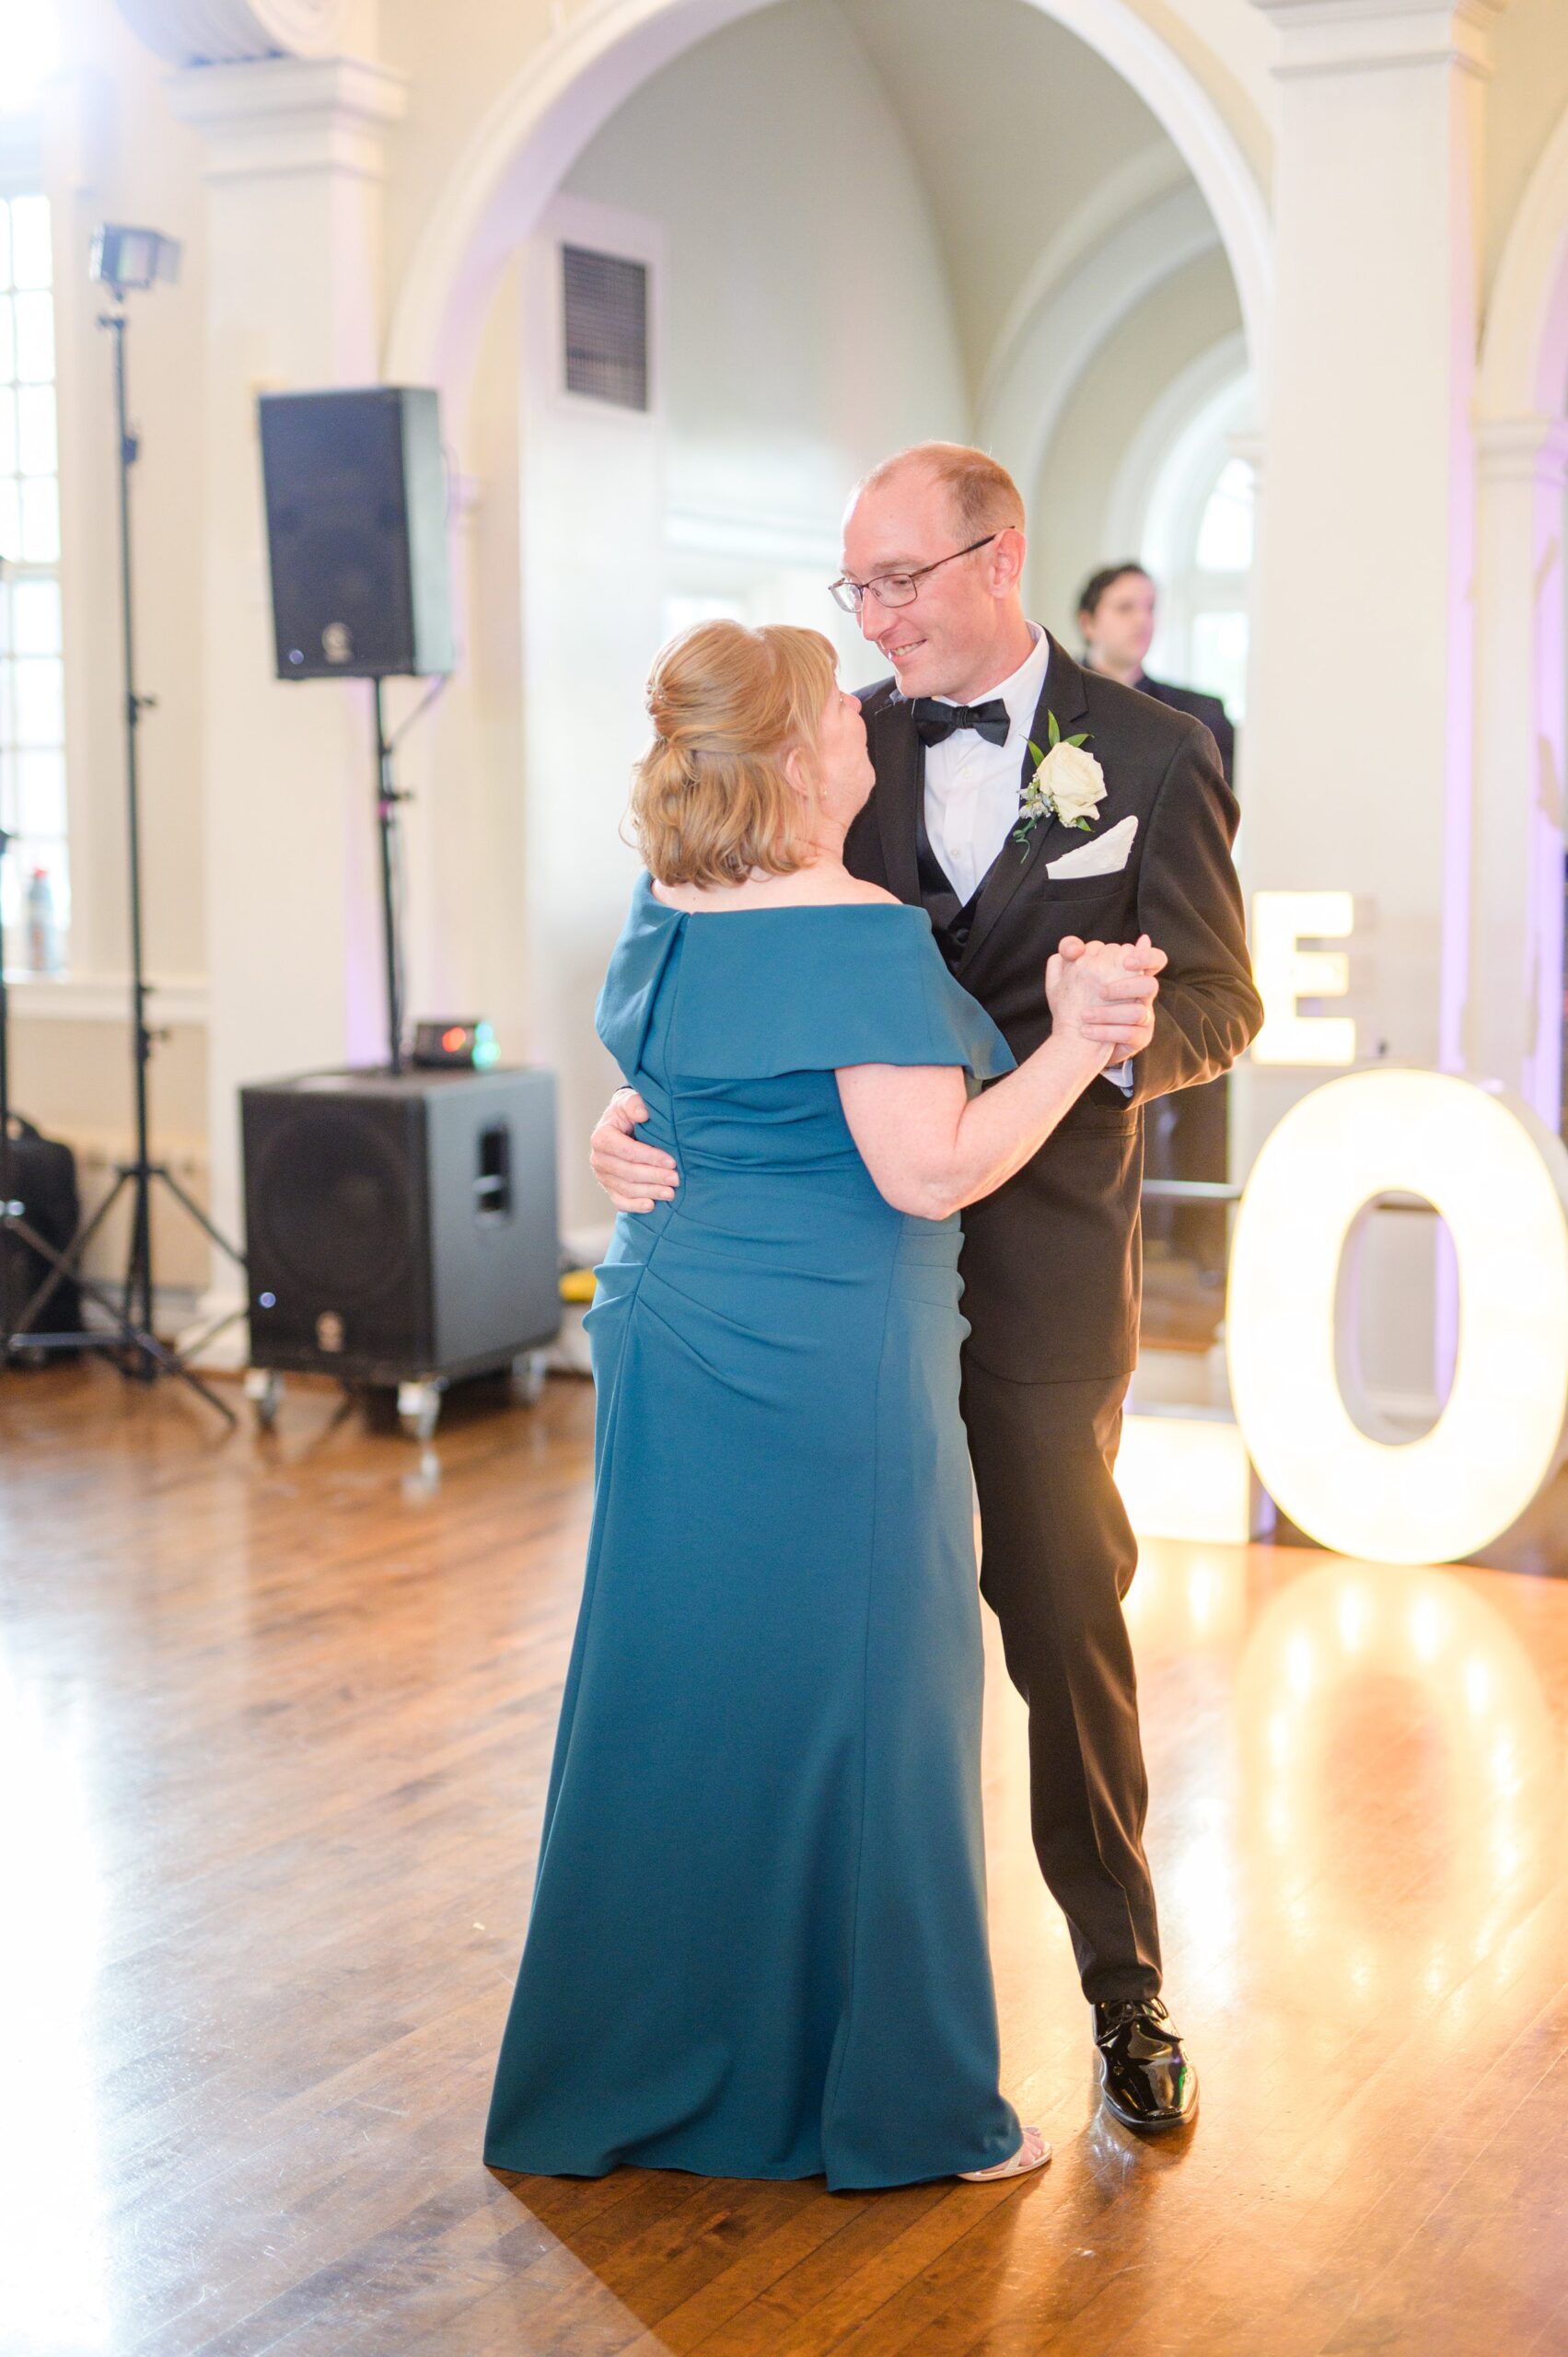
pixel 757 1940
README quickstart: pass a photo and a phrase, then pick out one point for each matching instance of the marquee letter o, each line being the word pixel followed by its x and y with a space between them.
pixel 1500 1179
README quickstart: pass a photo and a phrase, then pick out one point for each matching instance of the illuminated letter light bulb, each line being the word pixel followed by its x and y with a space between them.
pixel 1500 1179
pixel 1285 973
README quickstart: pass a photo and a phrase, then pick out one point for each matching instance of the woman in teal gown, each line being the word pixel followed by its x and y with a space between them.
pixel 758 1941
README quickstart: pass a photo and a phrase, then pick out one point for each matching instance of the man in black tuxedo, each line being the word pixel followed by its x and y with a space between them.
pixel 933 559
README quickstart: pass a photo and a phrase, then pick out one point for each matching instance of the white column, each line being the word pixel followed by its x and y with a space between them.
pixel 1514 1012
pixel 593 496
pixel 1243 1132
pixel 292 273
pixel 1360 720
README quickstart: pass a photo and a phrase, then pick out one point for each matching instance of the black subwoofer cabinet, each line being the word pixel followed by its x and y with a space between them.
pixel 401 1228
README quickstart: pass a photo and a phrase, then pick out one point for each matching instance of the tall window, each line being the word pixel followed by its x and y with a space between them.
pixel 1196 538
pixel 32 698
pixel 1205 554
pixel 1216 588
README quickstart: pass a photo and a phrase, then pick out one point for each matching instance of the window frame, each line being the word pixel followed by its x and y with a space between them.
pixel 23 174
pixel 1214 431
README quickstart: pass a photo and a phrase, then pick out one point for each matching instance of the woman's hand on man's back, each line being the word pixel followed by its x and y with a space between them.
pixel 634 1176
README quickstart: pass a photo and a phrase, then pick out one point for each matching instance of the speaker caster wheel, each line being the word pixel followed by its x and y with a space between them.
pixel 527 1377
pixel 419 1409
pixel 263 1389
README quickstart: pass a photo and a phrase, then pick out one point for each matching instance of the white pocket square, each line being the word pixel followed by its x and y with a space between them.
pixel 1105 856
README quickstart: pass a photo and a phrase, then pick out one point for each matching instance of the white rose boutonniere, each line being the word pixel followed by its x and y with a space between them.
pixel 1068 783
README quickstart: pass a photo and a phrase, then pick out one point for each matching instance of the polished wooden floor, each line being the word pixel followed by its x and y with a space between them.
pixel 274 1732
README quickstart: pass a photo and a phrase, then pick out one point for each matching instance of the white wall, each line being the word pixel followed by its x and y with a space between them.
pixel 808 327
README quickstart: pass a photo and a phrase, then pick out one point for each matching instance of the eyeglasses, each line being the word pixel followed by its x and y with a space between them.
pixel 895 588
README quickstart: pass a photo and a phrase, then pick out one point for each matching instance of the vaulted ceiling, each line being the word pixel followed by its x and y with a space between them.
pixel 1017 129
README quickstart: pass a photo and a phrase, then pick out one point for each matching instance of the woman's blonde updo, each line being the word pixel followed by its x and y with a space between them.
pixel 711 804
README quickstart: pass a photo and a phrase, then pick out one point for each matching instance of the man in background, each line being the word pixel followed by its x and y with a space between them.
pixel 1116 621
pixel 1187 1131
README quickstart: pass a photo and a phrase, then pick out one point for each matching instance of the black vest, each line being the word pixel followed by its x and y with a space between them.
pixel 950 918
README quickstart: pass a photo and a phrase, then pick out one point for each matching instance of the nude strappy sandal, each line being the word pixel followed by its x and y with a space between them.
pixel 1032 2153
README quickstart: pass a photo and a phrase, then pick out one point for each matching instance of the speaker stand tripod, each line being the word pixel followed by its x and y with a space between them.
pixel 144 1357
pixel 142 1173
pixel 141 1347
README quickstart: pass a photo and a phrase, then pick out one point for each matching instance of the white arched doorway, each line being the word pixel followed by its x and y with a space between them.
pixel 554 106
pixel 506 192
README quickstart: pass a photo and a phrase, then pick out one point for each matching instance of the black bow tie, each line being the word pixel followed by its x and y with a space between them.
pixel 936 722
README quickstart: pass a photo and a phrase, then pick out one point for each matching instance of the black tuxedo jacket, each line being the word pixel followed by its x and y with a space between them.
pixel 1052 1261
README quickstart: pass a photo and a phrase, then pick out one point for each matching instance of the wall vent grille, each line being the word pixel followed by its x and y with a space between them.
pixel 606 300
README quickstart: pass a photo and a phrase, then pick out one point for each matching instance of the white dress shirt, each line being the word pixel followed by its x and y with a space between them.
pixel 972 786
pixel 973 789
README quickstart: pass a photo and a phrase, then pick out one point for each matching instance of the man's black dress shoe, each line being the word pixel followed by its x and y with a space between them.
pixel 1146 2078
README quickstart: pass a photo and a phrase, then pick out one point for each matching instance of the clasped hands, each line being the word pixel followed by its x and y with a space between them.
pixel 1106 992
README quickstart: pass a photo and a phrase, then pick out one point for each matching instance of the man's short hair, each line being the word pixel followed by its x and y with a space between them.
pixel 984 496
pixel 1106 578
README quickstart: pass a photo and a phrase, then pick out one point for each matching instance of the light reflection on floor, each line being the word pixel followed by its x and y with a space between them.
pixel 1474 1793
pixel 53 2295
pixel 1357 1788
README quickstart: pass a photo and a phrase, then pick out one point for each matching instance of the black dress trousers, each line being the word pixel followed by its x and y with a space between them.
pixel 1052 1258
pixel 1057 1556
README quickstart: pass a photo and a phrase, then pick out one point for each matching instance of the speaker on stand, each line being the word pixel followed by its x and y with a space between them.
pixel 402 1223
pixel 355 491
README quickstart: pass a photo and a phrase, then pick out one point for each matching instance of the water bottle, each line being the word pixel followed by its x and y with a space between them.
pixel 43 938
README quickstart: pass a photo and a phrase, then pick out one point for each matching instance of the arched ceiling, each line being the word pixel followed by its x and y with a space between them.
pixel 1017 128
pixel 1035 160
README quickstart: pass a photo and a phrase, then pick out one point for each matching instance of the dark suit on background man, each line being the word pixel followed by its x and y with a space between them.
pixel 1187 1137
pixel 1198 706
pixel 1050 1260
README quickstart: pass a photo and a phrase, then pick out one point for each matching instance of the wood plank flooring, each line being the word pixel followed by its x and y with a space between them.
pixel 275 1715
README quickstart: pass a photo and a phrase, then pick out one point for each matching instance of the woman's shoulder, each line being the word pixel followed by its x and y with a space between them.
pixel 822 892
pixel 822 984
pixel 854 894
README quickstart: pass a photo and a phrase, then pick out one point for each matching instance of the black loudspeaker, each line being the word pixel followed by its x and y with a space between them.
pixel 356 489
pixel 402 1227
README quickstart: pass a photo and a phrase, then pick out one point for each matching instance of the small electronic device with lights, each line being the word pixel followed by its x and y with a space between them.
pixel 469 1043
